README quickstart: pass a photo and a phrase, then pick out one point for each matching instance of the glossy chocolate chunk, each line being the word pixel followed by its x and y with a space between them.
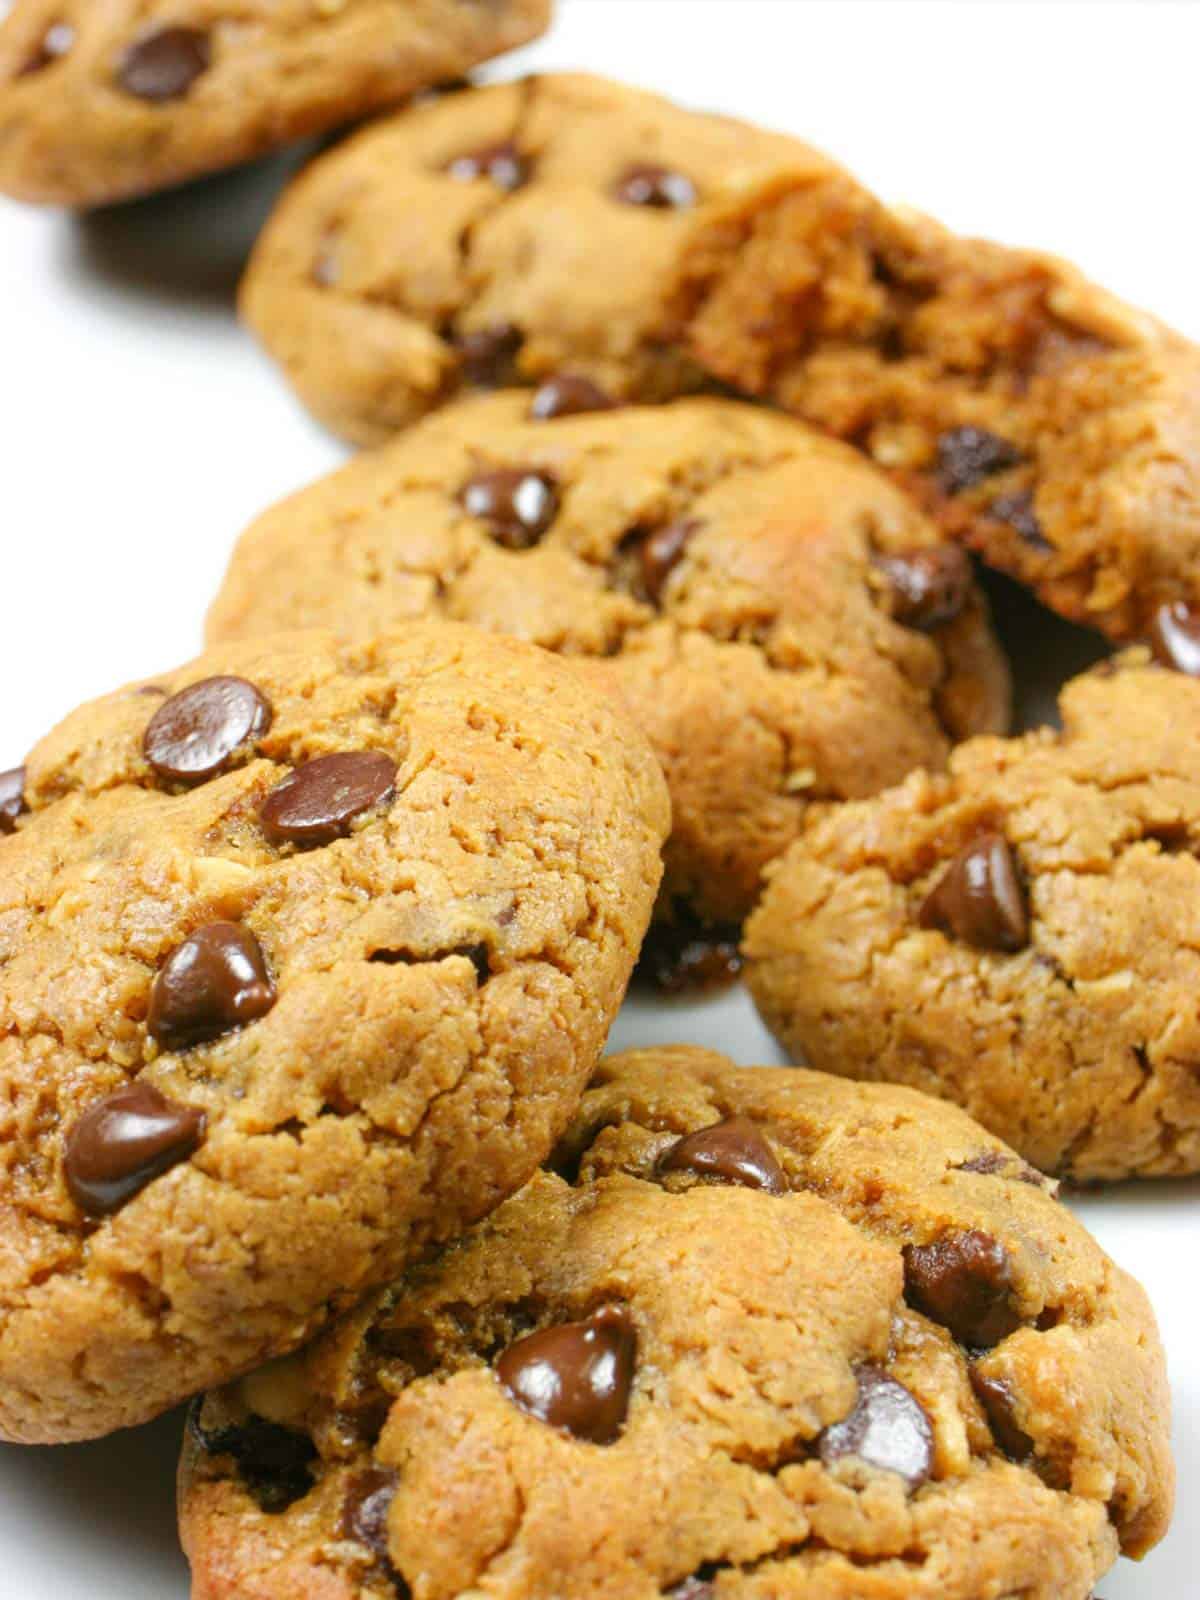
pixel 996 1398
pixel 487 357
pixel 518 504
pixel 196 733
pixel 57 41
pixel 1175 638
pixel 577 1376
pixel 275 1462
pixel 502 164
pixel 733 1151
pixel 320 800
pixel 124 1141
pixel 568 395
pixel 12 798
pixel 964 1282
pixel 979 898
pixel 685 955
pixel 163 65
pixel 660 552
pixel 931 585
pixel 966 456
pixel 887 1429
pixel 213 982
pixel 645 184
pixel 365 1511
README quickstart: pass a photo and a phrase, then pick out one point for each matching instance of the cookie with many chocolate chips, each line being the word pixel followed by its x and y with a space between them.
pixel 1020 936
pixel 753 1335
pixel 648 250
pixel 101 102
pixel 781 621
pixel 306 954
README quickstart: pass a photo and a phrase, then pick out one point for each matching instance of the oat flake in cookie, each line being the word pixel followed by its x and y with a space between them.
pixel 304 961
pixel 99 102
pixel 652 1373
pixel 784 624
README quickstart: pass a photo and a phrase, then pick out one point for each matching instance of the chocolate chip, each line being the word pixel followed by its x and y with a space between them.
pixel 365 1511
pixel 518 504
pixel 165 64
pixel 993 1163
pixel 124 1141
pixel 682 956
pixel 275 1462
pixel 1017 511
pixel 887 1429
pixel 659 553
pixel 996 1397
pixel 568 395
pixel 57 41
pixel 577 1376
pixel 197 732
pixel 979 898
pixel 320 800
pixel 210 984
pixel 12 798
pixel 963 1281
pixel 488 356
pixel 968 455
pixel 502 164
pixel 647 185
pixel 1175 638
pixel 733 1151
pixel 931 585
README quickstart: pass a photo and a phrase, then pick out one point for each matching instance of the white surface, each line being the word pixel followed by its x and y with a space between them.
pixel 142 430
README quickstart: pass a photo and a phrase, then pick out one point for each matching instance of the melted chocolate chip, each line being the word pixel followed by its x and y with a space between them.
pixel 733 1151
pixel 365 1511
pixel 968 455
pixel 57 41
pixel 931 585
pixel 164 65
pixel 679 957
pixel 577 1376
pixel 568 395
pixel 518 504
pixel 1017 511
pixel 1175 638
pixel 979 898
pixel 124 1141
pixel 501 164
pixel 887 1429
pixel 12 798
pixel 996 1398
pixel 992 1163
pixel 659 553
pixel 210 984
pixel 197 732
pixel 274 1462
pixel 320 800
pixel 647 185
pixel 488 356
pixel 964 1282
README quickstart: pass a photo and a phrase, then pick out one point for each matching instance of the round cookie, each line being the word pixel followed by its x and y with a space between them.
pixel 757 1334
pixel 99 102
pixel 567 225
pixel 1019 936
pixel 779 619
pixel 306 953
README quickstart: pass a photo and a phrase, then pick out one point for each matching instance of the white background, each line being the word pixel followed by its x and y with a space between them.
pixel 142 431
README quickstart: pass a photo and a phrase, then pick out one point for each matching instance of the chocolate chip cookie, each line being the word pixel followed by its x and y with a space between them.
pixel 572 228
pixel 784 624
pixel 306 954
pixel 756 1334
pixel 101 102
pixel 1020 935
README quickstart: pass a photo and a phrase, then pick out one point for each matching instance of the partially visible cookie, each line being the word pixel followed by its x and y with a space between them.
pixel 101 101
pixel 572 226
pixel 306 954
pixel 759 1334
pixel 1022 935
pixel 781 621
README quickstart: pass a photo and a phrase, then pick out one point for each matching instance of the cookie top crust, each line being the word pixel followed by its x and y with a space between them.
pixel 306 952
pixel 754 1333
pixel 1016 935
pixel 781 621
pixel 101 100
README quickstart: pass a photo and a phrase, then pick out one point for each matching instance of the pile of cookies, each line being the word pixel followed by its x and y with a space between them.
pixel 647 629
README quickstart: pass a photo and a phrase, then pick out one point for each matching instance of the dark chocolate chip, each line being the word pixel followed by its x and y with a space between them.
pixel 57 41
pixel 197 732
pixel 517 503
pixel 365 1510
pixel 931 585
pixel 320 800
pixel 679 957
pixel 979 898
pixel 568 394
pixel 1017 511
pixel 502 164
pixel 164 65
pixel 733 1151
pixel 887 1429
pixel 990 1162
pixel 1175 638
pixel 659 553
pixel 210 984
pixel 12 798
pixel 577 1376
pixel 488 356
pixel 645 184
pixel 996 1398
pixel 968 455
pixel 122 1142
pixel 275 1462
pixel 964 1282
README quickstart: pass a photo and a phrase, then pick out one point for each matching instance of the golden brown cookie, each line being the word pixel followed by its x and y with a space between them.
pixel 757 1334
pixel 572 226
pixel 306 953
pixel 1019 936
pixel 783 624
pixel 104 99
